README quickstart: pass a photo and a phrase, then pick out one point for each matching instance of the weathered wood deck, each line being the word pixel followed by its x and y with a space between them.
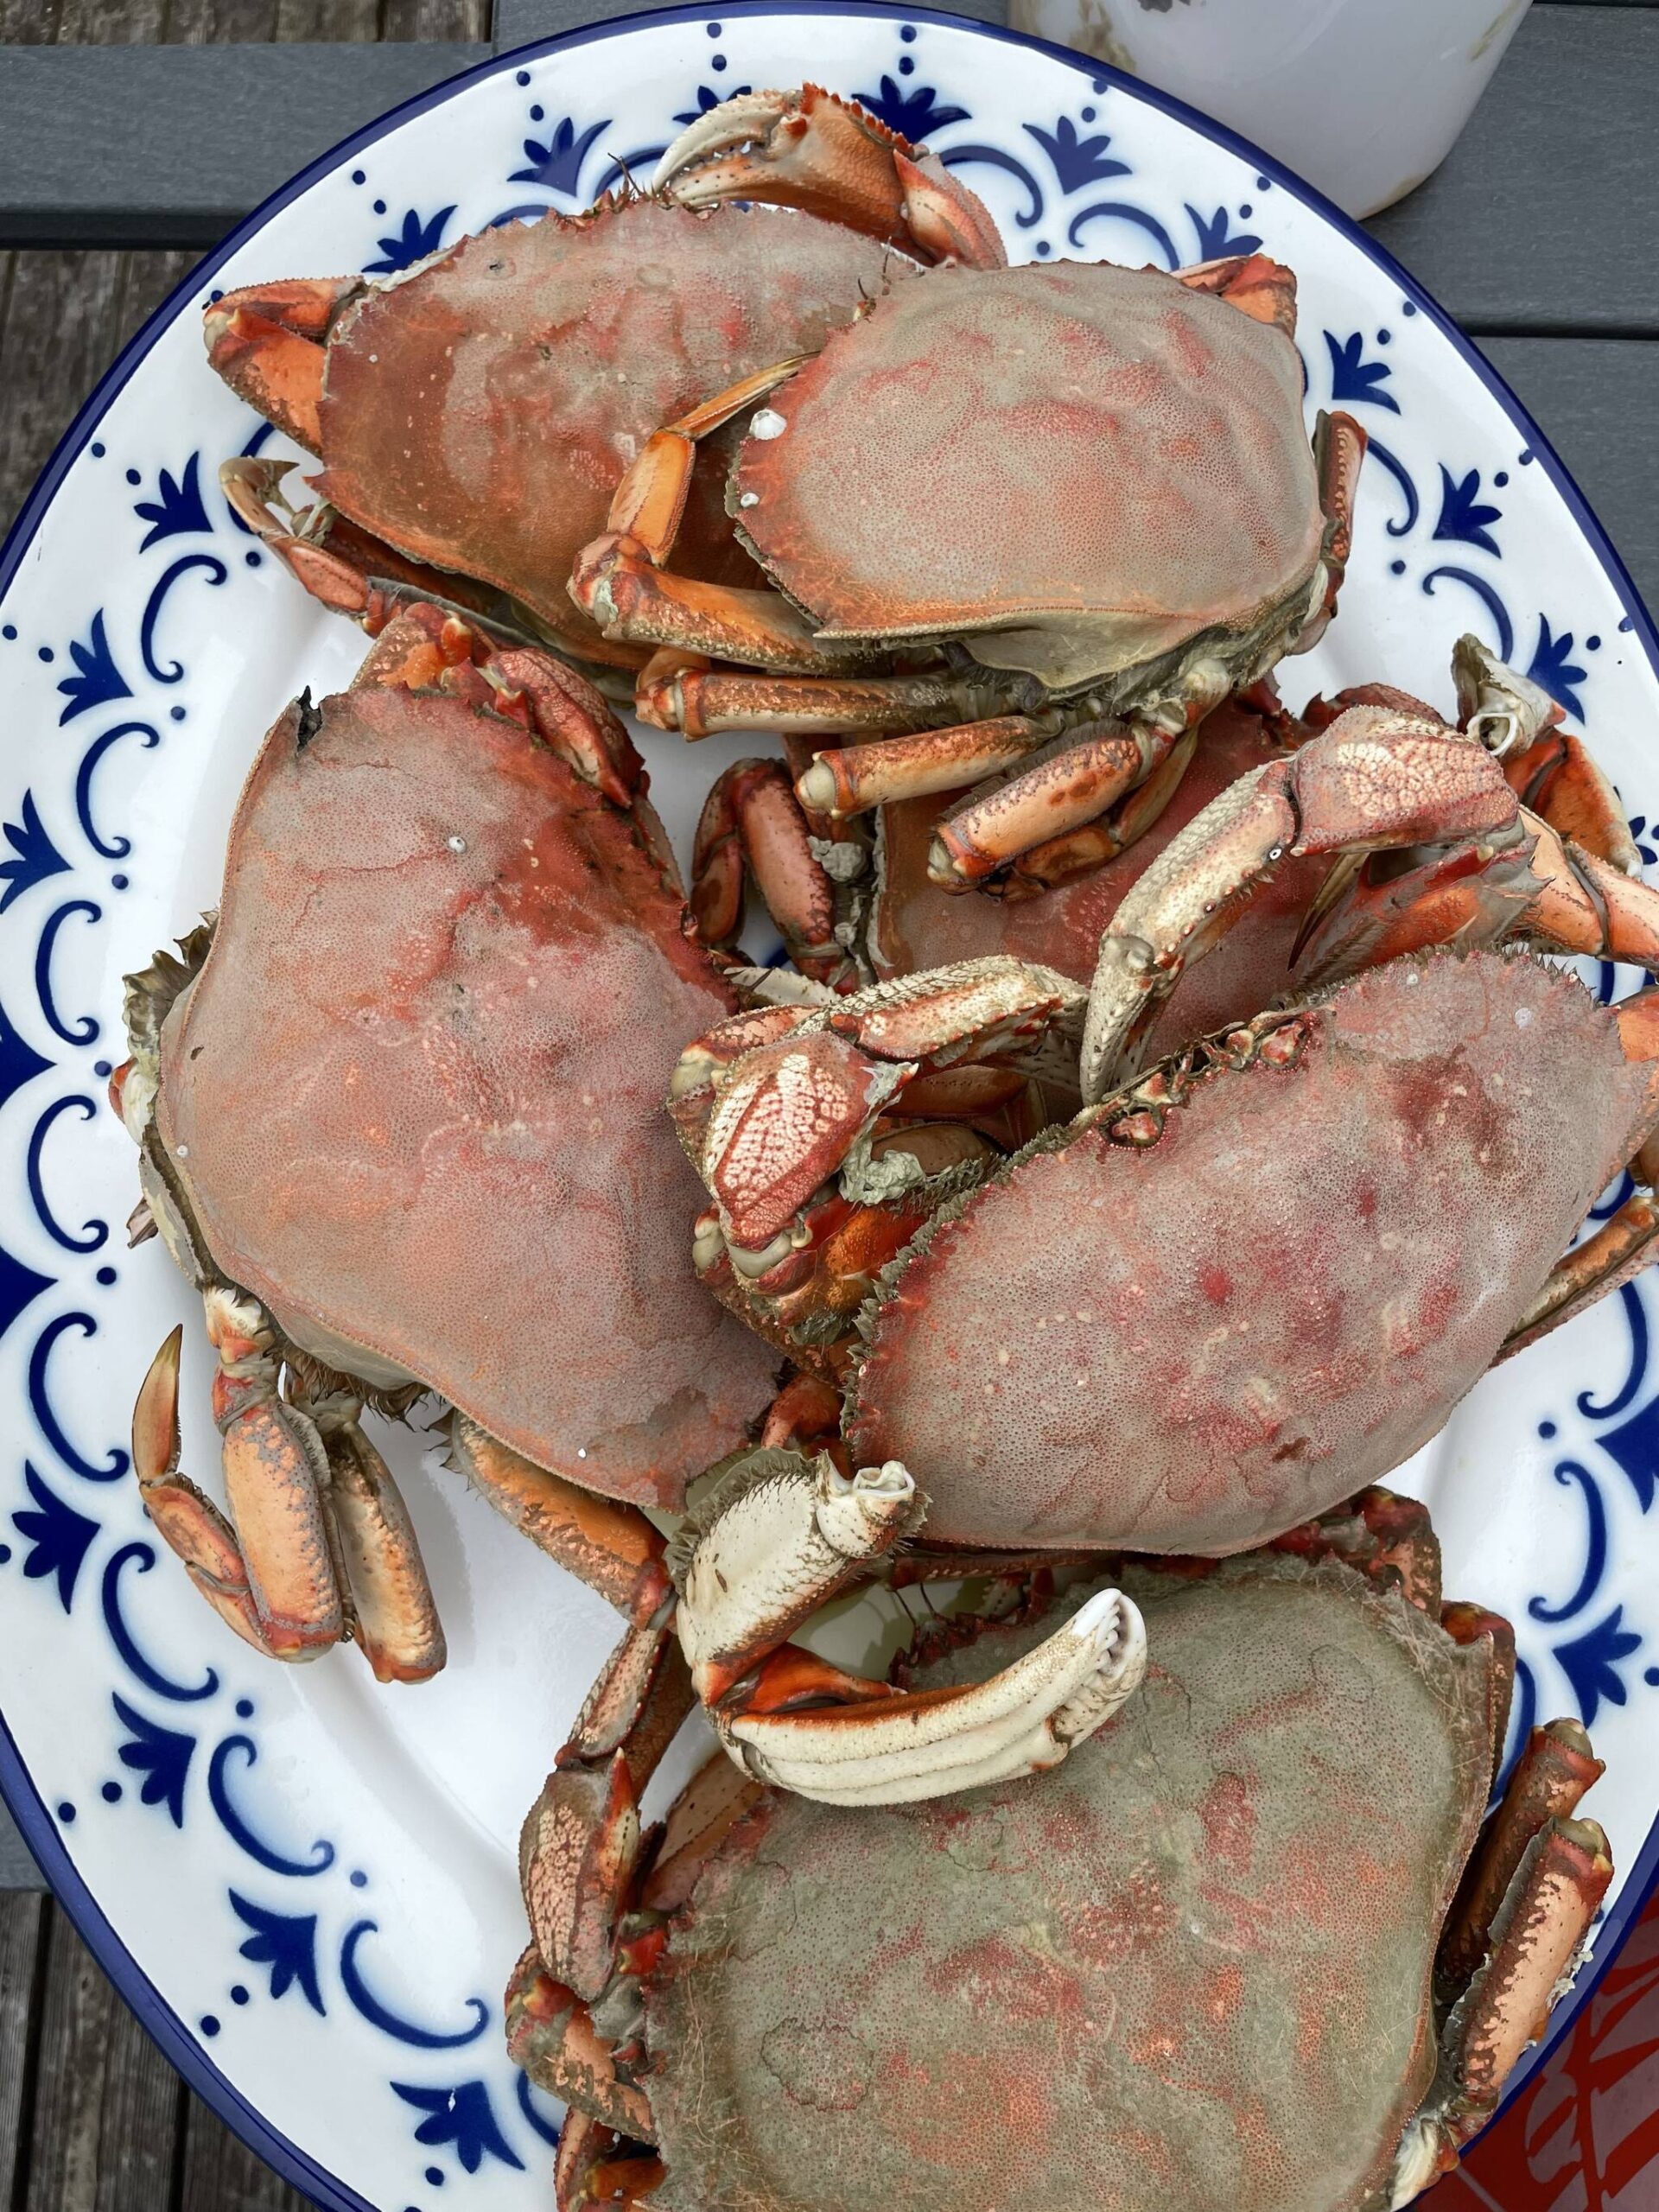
pixel 1541 234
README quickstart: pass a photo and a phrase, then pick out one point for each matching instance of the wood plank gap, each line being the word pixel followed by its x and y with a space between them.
pixel 23 2155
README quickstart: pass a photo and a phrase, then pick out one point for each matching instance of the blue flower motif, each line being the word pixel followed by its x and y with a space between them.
pixel 98 679
pixel 18 1284
pixel 59 1536
pixel 463 2116
pixel 1633 1447
pixel 708 98
pixel 34 855
pixel 1464 513
pixel 161 1755
pixel 1638 826
pixel 911 114
pixel 1553 669
pixel 412 244
pixel 1591 1664
pixel 176 511
pixel 1216 237
pixel 19 1064
pixel 1354 377
pixel 558 164
pixel 1077 160
pixel 284 1941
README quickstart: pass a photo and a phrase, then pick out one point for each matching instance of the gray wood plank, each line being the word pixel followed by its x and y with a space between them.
pixel 107 2106
pixel 17 1867
pixel 92 153
pixel 220 2174
pixel 1545 215
pixel 1597 403
pixel 23 1923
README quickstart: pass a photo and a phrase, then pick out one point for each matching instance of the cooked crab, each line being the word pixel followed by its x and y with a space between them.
pixel 1249 1950
pixel 1122 522
pixel 472 414
pixel 399 1121
pixel 1197 1311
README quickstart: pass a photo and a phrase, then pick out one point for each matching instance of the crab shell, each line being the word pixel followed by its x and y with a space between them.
pixel 1076 469
pixel 1191 1968
pixel 1191 1329
pixel 413 1097
pixel 915 925
pixel 477 412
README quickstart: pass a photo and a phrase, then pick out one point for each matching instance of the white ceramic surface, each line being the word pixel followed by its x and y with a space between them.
pixel 305 1882
pixel 1363 98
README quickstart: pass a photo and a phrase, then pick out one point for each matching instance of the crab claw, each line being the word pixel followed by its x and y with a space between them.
pixel 1378 779
pixel 266 341
pixel 831 157
pixel 897 1749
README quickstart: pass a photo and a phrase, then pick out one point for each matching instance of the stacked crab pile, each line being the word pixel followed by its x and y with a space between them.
pixel 1166 1120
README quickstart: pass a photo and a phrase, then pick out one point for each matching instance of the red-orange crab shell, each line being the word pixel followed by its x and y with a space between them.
pixel 1178 492
pixel 1198 1342
pixel 478 412
pixel 1189 1968
pixel 415 1090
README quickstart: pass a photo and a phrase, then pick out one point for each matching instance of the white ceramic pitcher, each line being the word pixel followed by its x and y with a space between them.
pixel 1363 98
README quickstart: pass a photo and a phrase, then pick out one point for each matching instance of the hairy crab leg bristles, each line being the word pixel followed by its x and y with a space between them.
pixel 898 1750
pixel 772 1545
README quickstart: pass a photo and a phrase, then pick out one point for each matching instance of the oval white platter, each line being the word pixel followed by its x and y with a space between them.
pixel 305 1883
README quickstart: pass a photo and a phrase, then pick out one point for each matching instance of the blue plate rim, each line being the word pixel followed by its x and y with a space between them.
pixel 179 2044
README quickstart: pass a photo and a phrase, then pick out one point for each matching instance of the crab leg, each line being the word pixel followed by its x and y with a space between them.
pixel 860 776
pixel 619 578
pixel 686 698
pixel 609 1545
pixel 266 341
pixel 1556 1769
pixel 1538 1936
pixel 809 149
pixel 1070 782
pixel 1549 769
pixel 785 1536
pixel 751 818
pixel 314 1513
pixel 1376 779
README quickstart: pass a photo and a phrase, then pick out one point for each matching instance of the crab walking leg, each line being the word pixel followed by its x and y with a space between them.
pixel 811 150
pixel 618 579
pixel 269 1568
pixel 551 2037
pixel 752 824
pixel 580 1846
pixel 1536 1939
pixel 395 1616
pixel 696 703
pixel 594 2166
pixel 1555 1770
pixel 860 776
pixel 609 1545
pixel 1071 782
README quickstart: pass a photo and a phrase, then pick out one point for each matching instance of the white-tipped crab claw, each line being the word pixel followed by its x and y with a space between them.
pixel 897 1750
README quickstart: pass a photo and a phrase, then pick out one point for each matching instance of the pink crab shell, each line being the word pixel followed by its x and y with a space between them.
pixel 1095 464
pixel 415 1091
pixel 478 412
pixel 1196 1344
